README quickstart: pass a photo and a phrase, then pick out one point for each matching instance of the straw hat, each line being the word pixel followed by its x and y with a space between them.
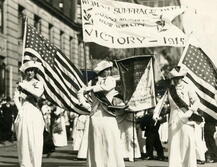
pixel 174 73
pixel 102 66
pixel 30 64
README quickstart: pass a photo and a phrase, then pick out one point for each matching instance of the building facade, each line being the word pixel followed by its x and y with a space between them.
pixel 54 19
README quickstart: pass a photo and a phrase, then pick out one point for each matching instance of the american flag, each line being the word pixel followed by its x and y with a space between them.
pixel 61 78
pixel 203 77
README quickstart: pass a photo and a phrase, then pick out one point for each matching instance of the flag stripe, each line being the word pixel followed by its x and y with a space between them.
pixel 202 76
pixel 69 78
pixel 200 87
pixel 208 104
pixel 61 78
pixel 208 111
pixel 60 95
pixel 56 87
pixel 52 91
pixel 53 76
pixel 60 89
pixel 72 69
pixel 65 82
pixel 60 100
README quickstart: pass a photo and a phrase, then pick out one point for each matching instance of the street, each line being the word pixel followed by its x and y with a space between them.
pixel 65 157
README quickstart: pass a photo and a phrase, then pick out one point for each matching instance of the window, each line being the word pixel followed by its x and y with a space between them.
pixel 161 3
pixel 21 21
pixel 61 4
pixel 51 33
pixel 2 76
pixel 62 41
pixel 71 48
pixel 37 23
pixel 1 15
pixel 80 49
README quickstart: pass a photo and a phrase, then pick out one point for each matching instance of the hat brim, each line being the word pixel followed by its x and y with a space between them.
pixel 175 77
pixel 175 74
pixel 101 68
pixel 30 64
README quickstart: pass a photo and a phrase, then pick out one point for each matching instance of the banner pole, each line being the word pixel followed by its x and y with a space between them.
pixel 134 52
pixel 134 136
pixel 85 63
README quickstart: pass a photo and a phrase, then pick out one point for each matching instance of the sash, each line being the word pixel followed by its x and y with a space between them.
pixel 99 96
pixel 182 105
pixel 179 102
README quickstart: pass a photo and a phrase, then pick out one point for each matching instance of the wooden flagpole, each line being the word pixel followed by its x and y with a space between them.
pixel 24 39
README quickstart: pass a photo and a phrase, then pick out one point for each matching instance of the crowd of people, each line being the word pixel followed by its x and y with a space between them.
pixel 8 113
pixel 111 133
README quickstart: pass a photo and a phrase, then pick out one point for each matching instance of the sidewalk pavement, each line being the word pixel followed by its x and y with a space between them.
pixel 7 143
pixel 65 157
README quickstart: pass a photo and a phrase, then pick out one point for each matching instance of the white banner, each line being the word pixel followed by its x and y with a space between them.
pixel 144 94
pixel 117 24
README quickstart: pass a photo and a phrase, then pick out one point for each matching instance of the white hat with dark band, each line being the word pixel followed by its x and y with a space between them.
pixel 30 64
pixel 102 66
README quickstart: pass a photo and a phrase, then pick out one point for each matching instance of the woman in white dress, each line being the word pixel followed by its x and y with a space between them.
pixel 82 152
pixel 104 146
pixel 183 107
pixel 59 127
pixel 29 124
pixel 78 131
pixel 46 111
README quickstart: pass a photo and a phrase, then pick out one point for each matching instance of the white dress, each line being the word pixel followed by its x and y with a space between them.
pixel 29 125
pixel 181 141
pixel 60 139
pixel 128 134
pixel 82 152
pixel 104 147
pixel 163 131
pixel 200 142
pixel 78 131
pixel 46 110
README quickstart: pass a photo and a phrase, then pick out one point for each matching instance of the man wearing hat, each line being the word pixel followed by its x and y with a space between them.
pixel 29 124
pixel 104 147
pixel 183 106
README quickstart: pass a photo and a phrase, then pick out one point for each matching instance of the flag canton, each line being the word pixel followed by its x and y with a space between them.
pixel 42 46
pixel 198 62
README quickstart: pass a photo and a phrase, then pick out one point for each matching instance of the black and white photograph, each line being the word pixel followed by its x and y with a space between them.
pixel 108 83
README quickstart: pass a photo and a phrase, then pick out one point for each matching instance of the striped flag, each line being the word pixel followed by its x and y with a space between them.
pixel 202 76
pixel 61 78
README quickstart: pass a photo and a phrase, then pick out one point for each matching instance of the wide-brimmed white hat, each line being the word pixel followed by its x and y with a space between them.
pixel 174 73
pixel 30 64
pixel 102 66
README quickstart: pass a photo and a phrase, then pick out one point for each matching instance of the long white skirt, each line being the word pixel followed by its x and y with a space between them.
pixel 82 152
pixel 200 143
pixel 29 126
pixel 128 143
pixel 77 134
pixel 163 132
pixel 60 139
pixel 182 149
pixel 104 147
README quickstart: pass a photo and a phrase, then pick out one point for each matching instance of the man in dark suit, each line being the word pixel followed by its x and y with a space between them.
pixel 152 136
pixel 8 113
